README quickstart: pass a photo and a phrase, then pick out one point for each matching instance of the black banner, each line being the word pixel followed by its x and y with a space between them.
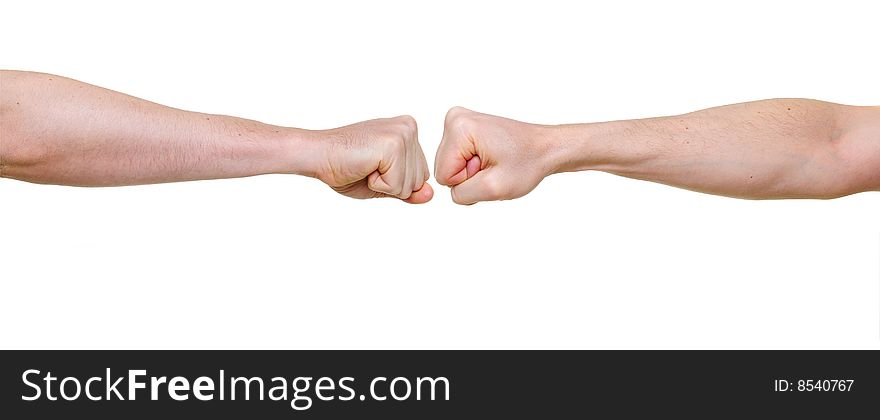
pixel 439 384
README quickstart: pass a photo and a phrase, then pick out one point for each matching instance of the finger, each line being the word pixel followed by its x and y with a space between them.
pixel 389 176
pixel 421 173
pixel 378 184
pixel 456 149
pixel 411 160
pixel 408 181
pixel 421 196
pixel 425 172
pixel 451 167
pixel 473 166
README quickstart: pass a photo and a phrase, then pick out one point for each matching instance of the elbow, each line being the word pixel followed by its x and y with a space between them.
pixel 858 158
pixel 855 151
pixel 832 170
pixel 857 179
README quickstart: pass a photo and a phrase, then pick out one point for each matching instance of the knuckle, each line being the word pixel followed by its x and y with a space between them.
pixel 442 174
pixel 454 112
pixel 408 121
pixel 394 143
pixel 460 123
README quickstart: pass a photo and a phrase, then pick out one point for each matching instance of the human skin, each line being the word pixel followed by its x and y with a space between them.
pixel 54 130
pixel 780 148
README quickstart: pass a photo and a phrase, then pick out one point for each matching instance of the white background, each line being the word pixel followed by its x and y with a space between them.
pixel 587 260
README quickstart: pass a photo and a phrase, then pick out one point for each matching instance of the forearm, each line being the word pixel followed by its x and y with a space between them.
pixel 60 131
pixel 767 149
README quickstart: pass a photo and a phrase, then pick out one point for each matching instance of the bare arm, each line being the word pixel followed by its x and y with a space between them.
pixel 782 148
pixel 786 148
pixel 60 131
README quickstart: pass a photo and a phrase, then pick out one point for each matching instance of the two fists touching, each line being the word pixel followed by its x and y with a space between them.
pixel 61 131
pixel 481 157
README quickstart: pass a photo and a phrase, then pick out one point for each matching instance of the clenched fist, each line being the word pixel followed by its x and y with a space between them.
pixel 484 157
pixel 376 158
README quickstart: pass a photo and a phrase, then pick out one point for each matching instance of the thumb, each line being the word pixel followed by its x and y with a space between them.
pixel 422 195
pixel 481 187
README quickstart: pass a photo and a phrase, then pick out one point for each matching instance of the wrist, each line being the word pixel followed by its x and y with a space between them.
pixel 301 152
pixel 253 148
pixel 567 147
